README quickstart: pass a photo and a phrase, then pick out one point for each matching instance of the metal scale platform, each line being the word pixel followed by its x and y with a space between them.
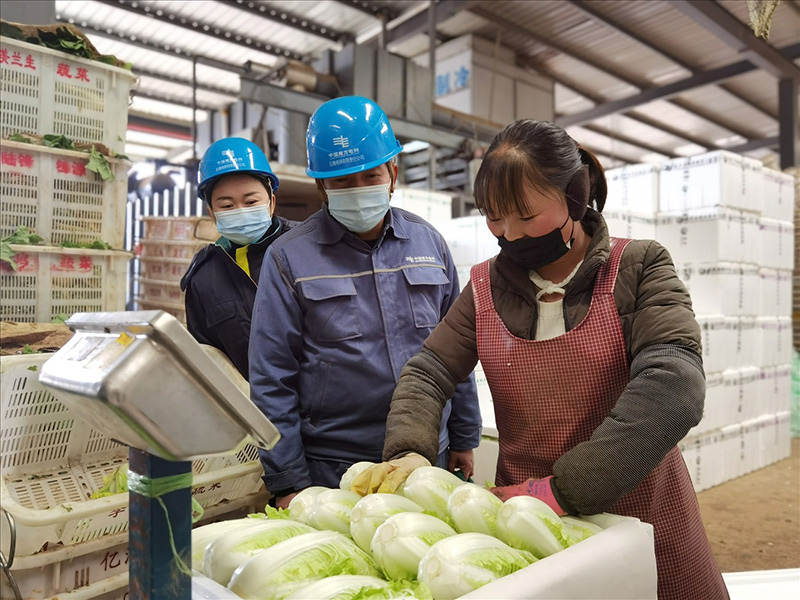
pixel 145 381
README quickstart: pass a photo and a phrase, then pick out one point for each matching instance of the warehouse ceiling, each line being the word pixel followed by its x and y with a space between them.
pixel 635 81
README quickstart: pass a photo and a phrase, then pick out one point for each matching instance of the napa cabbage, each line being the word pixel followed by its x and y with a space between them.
pixel 403 539
pixel 529 524
pixel 473 509
pixel 430 487
pixel 371 511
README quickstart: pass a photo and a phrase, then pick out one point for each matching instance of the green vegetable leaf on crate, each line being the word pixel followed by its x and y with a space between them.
pixel 33 368
pixel 60 319
pixel 66 41
pixel 17 137
pixel 28 350
pixel 95 245
pixel 22 236
pixel 115 483
pixel 52 140
pixel 99 164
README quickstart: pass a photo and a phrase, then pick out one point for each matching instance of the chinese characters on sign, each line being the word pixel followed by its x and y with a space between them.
pixel 15 59
pixel 12 159
pixel 452 81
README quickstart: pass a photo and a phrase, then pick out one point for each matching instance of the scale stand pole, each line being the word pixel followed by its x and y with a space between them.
pixel 154 570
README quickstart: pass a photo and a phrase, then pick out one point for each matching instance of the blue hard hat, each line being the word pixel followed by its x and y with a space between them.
pixel 348 135
pixel 233 155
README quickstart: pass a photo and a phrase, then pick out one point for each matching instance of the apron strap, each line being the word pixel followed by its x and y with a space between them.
pixel 481 288
pixel 607 277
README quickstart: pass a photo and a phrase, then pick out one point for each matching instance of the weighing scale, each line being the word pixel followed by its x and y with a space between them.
pixel 141 378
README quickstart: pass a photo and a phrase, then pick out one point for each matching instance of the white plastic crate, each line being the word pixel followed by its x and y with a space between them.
pixel 176 228
pixel 53 281
pixel 46 91
pixel 164 269
pixel 183 250
pixel 52 461
pixel 161 292
pixel 51 192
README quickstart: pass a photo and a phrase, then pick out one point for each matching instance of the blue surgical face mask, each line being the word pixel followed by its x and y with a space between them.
pixel 359 209
pixel 244 225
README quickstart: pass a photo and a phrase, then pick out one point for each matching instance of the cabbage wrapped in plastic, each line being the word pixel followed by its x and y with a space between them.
pixel 430 487
pixel 282 569
pixel 332 510
pixel 473 509
pixel 302 505
pixel 371 511
pixel 527 523
pixel 403 539
pixel 224 555
pixel 465 562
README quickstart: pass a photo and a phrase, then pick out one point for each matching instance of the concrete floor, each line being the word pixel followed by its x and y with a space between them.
pixel 753 522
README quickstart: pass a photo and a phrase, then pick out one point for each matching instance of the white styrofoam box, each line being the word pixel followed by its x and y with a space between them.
pixel 713 405
pixel 784 349
pixel 714 342
pixel 777 242
pixel 783 436
pixel 463 275
pixel 783 388
pixel 469 240
pixel 778 195
pixel 485 402
pixel 46 91
pixel 710 235
pixel 775 292
pixel 714 179
pixel 582 570
pixel 434 207
pixel 768 341
pixel 50 191
pixel 706 471
pixel 746 346
pixel 629 224
pixel 742 395
pixel 721 288
pixel 730 443
pixel 486 460
pixel 754 585
pixel 750 446
pixel 633 188
pixel 52 281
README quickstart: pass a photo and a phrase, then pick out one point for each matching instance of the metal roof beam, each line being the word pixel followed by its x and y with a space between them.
pixel 739 36
pixel 589 9
pixel 420 23
pixel 303 24
pixel 613 135
pixel 370 8
pixel 188 82
pixel 789 106
pixel 178 130
pixel 633 81
pixel 661 93
pixel 132 40
pixel 756 144
pixel 191 24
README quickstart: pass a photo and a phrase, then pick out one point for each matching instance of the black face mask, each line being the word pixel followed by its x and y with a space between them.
pixel 534 252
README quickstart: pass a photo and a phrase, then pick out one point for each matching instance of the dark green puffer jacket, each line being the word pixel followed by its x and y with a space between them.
pixel 662 401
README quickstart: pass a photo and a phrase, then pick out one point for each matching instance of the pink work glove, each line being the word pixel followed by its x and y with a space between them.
pixel 537 488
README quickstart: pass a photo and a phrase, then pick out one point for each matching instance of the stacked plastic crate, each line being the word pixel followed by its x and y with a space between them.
pixel 165 254
pixel 728 224
pixel 52 192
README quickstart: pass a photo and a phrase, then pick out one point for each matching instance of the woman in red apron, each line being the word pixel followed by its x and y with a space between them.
pixel 591 352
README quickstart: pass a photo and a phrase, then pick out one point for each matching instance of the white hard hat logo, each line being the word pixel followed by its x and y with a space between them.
pixel 341 141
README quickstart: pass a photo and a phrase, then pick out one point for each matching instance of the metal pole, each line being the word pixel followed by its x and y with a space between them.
pixel 432 44
pixel 789 122
pixel 194 109
pixel 154 570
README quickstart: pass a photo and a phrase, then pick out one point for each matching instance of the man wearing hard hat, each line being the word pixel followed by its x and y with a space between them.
pixel 239 187
pixel 345 299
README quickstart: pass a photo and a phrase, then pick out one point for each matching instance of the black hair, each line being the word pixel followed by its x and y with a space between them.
pixel 537 155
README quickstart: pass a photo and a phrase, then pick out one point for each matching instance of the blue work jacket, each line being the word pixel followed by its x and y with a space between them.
pixel 335 319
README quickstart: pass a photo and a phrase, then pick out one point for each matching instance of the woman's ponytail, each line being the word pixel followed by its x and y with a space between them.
pixel 598 188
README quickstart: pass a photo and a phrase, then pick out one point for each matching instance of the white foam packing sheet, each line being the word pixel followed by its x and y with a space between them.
pixel 625 546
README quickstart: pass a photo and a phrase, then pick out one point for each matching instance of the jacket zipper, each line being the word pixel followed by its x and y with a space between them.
pixel 237 266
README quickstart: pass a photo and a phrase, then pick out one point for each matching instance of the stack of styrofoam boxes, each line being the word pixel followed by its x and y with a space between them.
pixel 435 207
pixel 52 192
pixel 728 226
pixel 165 253
pixel 632 201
